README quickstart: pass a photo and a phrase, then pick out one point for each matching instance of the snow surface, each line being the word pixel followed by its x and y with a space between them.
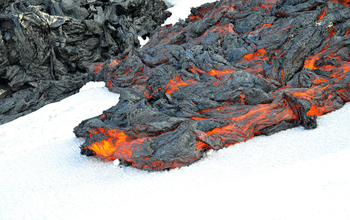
pixel 181 8
pixel 294 174
pixel 142 41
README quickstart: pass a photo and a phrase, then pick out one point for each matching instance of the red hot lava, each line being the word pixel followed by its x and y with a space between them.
pixel 231 71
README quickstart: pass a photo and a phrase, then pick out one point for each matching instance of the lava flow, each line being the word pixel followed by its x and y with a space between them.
pixel 231 71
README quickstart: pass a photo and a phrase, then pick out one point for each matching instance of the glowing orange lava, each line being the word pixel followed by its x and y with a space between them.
pixel 177 84
pixel 319 84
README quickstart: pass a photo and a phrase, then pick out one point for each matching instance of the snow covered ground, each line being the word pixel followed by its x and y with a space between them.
pixel 294 174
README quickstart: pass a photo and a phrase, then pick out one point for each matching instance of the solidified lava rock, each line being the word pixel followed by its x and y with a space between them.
pixel 44 44
pixel 232 70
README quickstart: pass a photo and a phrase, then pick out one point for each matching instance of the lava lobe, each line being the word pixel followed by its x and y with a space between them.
pixel 231 71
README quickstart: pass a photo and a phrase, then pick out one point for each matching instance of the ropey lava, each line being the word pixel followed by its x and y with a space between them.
pixel 231 71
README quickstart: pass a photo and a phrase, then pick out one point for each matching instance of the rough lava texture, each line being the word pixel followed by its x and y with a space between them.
pixel 231 71
pixel 44 44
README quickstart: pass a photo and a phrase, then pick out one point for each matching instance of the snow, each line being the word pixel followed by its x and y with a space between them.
pixel 181 8
pixel 294 174
pixel 142 41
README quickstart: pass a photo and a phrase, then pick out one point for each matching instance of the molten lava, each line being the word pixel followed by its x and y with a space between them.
pixel 231 71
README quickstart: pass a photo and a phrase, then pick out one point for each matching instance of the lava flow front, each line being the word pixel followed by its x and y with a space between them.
pixel 231 71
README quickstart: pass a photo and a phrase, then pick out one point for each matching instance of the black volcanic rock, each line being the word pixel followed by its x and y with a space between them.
pixel 44 45
pixel 232 70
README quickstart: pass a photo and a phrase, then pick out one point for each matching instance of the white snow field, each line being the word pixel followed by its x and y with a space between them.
pixel 294 174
